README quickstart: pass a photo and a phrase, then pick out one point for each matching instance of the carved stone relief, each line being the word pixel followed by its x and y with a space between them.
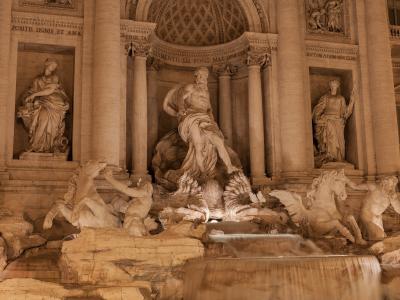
pixel 325 16
pixel 49 3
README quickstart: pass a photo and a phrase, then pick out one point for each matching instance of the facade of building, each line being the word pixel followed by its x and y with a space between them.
pixel 270 63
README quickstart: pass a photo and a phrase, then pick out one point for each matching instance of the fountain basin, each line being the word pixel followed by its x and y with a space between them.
pixel 299 277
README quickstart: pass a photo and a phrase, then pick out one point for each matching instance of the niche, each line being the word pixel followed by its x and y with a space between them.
pixel 43 128
pixel 320 79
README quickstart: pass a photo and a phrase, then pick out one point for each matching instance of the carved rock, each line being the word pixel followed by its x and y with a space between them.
pixel 21 289
pixel 17 234
pixel 111 255
pixel 3 254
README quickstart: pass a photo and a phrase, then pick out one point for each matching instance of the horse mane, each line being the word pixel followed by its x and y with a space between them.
pixel 324 178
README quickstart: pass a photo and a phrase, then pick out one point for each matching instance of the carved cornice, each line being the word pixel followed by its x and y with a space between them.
pixel 133 31
pixel 234 52
pixel 396 64
pixel 328 50
pixel 68 4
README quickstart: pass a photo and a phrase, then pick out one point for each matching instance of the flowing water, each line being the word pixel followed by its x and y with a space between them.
pixel 326 277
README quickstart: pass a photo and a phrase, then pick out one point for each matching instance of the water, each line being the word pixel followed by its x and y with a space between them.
pixel 307 277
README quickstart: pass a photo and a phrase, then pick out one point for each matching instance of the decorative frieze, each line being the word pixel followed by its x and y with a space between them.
pixel 132 31
pixel 63 4
pixel 47 24
pixel 332 51
pixel 234 52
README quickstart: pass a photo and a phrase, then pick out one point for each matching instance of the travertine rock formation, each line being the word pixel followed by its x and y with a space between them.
pixel 112 257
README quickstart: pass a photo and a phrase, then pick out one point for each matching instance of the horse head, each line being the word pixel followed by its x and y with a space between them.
pixel 337 183
pixel 328 183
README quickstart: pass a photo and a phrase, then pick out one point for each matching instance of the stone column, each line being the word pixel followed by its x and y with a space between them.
pixel 296 143
pixel 256 123
pixel 106 82
pixel 5 34
pixel 152 75
pixel 225 101
pixel 381 87
pixel 139 111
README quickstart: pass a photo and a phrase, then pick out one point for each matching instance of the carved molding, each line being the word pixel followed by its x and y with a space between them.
pixel 332 51
pixel 396 64
pixel 47 24
pixel 61 4
pixel 133 31
pixel 262 15
pixel 234 52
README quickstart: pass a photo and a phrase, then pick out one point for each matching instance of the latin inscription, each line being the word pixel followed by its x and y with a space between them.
pixel 46 30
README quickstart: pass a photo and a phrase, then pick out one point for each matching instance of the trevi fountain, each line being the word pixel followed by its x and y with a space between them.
pixel 199 149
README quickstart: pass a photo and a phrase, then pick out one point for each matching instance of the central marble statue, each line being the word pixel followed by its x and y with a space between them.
pixel 197 147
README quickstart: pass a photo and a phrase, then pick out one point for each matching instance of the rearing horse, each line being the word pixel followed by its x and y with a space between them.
pixel 82 206
pixel 320 210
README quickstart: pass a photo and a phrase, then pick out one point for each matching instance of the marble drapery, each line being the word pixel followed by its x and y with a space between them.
pixel 43 112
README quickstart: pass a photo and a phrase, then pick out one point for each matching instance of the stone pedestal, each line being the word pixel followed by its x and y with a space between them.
pixel 32 156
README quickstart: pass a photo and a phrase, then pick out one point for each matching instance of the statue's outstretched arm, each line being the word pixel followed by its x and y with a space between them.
pixel 131 192
pixel 359 187
pixel 167 103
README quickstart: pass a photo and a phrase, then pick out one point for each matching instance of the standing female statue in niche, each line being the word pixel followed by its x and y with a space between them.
pixel 43 112
pixel 329 117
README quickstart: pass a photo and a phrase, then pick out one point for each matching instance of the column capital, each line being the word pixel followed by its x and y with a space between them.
pixel 258 56
pixel 139 48
pixel 226 69
pixel 153 64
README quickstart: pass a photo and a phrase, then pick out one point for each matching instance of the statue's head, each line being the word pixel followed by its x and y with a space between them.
pixel 334 86
pixel 331 181
pixel 201 75
pixel 50 65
